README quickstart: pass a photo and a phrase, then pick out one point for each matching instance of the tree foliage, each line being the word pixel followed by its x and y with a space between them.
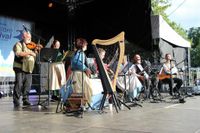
pixel 194 35
pixel 159 7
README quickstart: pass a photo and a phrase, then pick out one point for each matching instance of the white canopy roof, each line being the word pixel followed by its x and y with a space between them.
pixel 160 29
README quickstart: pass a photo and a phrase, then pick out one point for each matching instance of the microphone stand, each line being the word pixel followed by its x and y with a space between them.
pixel 79 111
pixel 125 92
pixel 171 79
pixel 39 73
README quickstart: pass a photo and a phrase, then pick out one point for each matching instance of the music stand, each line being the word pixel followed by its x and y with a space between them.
pixel 47 55
pixel 126 72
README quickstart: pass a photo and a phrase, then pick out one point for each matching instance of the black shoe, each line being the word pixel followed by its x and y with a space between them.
pixel 170 92
pixel 182 100
pixel 135 99
pixel 16 105
pixel 175 90
pixel 26 103
pixel 55 98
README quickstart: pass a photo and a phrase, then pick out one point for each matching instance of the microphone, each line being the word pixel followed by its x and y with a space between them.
pixel 25 28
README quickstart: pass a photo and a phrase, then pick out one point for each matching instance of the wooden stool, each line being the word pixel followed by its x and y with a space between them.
pixel 75 104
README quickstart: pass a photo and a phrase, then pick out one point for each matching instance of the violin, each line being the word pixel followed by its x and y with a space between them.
pixel 34 46
pixel 31 45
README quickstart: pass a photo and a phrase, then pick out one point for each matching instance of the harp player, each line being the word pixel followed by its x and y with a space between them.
pixel 102 53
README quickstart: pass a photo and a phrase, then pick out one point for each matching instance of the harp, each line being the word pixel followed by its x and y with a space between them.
pixel 114 48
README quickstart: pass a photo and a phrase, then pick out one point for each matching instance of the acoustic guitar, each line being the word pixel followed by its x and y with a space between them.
pixel 142 72
pixel 164 76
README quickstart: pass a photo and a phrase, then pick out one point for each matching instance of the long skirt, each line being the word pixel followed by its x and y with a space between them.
pixel 130 83
pixel 84 87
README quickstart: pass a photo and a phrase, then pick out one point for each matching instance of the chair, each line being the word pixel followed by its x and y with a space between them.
pixel 123 91
pixel 71 102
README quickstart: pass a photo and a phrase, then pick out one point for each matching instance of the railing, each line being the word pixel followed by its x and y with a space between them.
pixel 6 86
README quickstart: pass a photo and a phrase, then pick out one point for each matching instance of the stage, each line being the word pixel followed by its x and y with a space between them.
pixel 161 117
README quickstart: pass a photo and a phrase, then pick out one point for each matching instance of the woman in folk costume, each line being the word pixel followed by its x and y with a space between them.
pixel 80 69
pixel 131 83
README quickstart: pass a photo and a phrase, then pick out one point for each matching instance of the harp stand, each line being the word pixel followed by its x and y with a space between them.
pixel 114 100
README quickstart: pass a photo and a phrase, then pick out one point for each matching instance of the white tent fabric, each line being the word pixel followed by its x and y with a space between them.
pixel 160 29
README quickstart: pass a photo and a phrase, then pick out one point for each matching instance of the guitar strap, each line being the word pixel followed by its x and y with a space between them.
pixel 139 68
pixel 141 71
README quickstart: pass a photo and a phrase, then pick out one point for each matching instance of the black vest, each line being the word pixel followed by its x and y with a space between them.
pixel 19 59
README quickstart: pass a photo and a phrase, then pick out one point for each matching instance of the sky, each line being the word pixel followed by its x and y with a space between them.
pixel 185 12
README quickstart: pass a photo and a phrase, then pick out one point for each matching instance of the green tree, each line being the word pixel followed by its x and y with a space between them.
pixel 159 7
pixel 194 35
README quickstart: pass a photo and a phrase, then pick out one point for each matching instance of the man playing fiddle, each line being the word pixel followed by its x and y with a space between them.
pixel 23 66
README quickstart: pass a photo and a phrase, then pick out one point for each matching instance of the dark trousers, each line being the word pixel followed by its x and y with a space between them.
pixel 146 87
pixel 177 81
pixel 22 86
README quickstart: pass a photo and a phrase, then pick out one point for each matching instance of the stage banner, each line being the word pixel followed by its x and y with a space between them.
pixel 11 30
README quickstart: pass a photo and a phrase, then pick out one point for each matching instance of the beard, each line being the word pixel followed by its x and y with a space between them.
pixel 27 41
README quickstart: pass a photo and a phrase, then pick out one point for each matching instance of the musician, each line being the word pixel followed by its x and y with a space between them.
pixel 80 68
pixel 141 73
pixel 23 67
pixel 169 71
pixel 102 54
pixel 127 79
pixel 56 45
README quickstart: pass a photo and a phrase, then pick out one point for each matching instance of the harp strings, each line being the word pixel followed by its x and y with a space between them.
pixel 114 48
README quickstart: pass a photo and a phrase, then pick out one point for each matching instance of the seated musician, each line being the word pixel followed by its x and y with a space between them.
pixel 79 67
pixel 141 73
pixel 168 72
pixel 102 53
pixel 127 79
